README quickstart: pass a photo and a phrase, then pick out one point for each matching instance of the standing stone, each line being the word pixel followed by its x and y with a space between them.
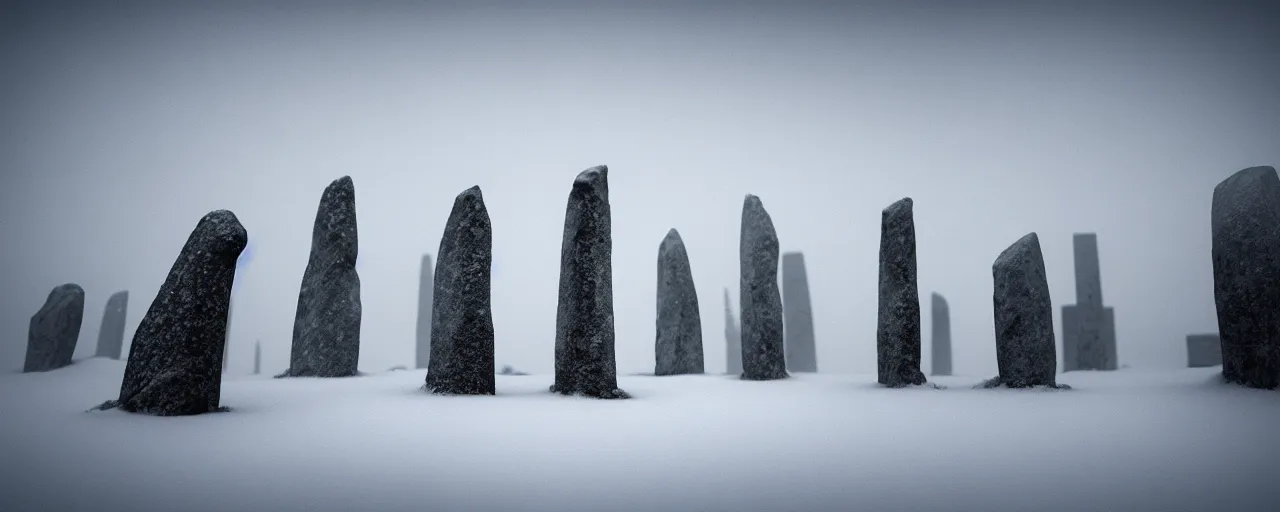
pixel 111 334
pixel 797 315
pixel 175 362
pixel 1026 352
pixel 1246 282
pixel 54 330
pixel 898 334
pixel 678 344
pixel 941 336
pixel 326 328
pixel 1203 350
pixel 461 319
pixel 732 338
pixel 585 361
pixel 1088 327
pixel 425 290
pixel 763 355
pixel 257 357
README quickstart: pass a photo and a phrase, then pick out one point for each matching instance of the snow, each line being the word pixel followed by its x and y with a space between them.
pixel 1176 440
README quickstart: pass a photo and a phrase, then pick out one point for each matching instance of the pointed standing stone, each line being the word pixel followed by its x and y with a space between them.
pixel 1088 327
pixel 1246 282
pixel 326 328
pixel 678 345
pixel 585 361
pixel 763 356
pixel 111 334
pixel 422 348
pixel 797 311
pixel 257 357
pixel 462 318
pixel 1026 352
pixel 54 330
pixel 898 335
pixel 941 336
pixel 732 338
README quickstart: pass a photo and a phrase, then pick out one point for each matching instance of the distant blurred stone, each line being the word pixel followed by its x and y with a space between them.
pixel 111 334
pixel 797 312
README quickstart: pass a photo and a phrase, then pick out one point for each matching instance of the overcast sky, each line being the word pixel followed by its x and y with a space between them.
pixel 120 127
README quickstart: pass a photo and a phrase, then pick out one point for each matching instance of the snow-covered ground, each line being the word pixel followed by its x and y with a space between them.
pixel 1120 441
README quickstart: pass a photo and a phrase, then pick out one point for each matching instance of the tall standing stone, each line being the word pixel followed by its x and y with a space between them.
pixel 585 361
pixel 797 315
pixel 1088 327
pixel 175 360
pixel 732 339
pixel 425 290
pixel 1246 278
pixel 941 336
pixel 1026 352
pixel 1203 350
pixel 54 330
pixel 257 357
pixel 678 343
pixel 111 334
pixel 461 318
pixel 763 349
pixel 326 328
pixel 898 332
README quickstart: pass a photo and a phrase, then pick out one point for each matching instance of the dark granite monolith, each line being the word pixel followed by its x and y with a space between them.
pixel 326 328
pixel 1088 326
pixel 732 339
pixel 585 361
pixel 760 300
pixel 898 326
pixel 111 334
pixel 941 336
pixel 1026 353
pixel 461 317
pixel 175 361
pixel 1203 350
pixel 678 343
pixel 797 315
pixel 1246 275
pixel 54 329
pixel 422 339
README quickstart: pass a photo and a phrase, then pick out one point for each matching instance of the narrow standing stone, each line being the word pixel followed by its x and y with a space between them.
pixel 941 336
pixel 732 338
pixel 257 357
pixel 898 334
pixel 1026 352
pixel 1088 327
pixel 763 355
pixel 585 361
pixel 111 334
pixel 326 328
pixel 1246 282
pixel 678 344
pixel 797 311
pixel 1203 350
pixel 54 330
pixel 425 291
pixel 461 319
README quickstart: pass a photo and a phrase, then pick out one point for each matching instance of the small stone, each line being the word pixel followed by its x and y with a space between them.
pixel 941 336
pixel 1026 352
pixel 461 320
pixel 678 344
pixel 898 334
pixel 111 334
pixel 54 330
pixel 763 355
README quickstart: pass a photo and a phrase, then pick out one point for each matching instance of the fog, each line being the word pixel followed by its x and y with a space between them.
pixel 120 127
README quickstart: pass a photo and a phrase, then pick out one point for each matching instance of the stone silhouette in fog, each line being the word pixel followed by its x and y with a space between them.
pixel 760 300
pixel 111 334
pixel 1088 327
pixel 797 313
pixel 1203 350
pixel 175 361
pixel 1026 353
pixel 732 339
pixel 1246 283
pixel 584 354
pixel 941 336
pixel 898 331
pixel 326 328
pixel 461 319
pixel 54 329
pixel 422 339
pixel 678 344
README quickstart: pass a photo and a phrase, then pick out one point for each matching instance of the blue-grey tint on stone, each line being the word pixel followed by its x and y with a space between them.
pixel 1246 275
pixel 1088 327
pixel 326 328
pixel 111 334
pixel 1026 352
pixel 941 336
pixel 1203 350
pixel 732 339
pixel 462 319
pixel 257 357
pixel 175 360
pixel 898 332
pixel 678 342
pixel 584 354
pixel 54 329
pixel 226 339
pixel 760 300
pixel 422 346
pixel 797 315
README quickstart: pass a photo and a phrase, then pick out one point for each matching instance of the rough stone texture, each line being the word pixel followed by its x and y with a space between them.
pixel 425 290
pixel 257 357
pixel 797 315
pixel 585 361
pixel 760 300
pixel 111 334
pixel 1026 352
pixel 898 331
pixel 678 343
pixel 175 360
pixel 226 339
pixel 461 318
pixel 1203 350
pixel 326 328
pixel 941 336
pixel 1088 327
pixel 54 330
pixel 732 338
